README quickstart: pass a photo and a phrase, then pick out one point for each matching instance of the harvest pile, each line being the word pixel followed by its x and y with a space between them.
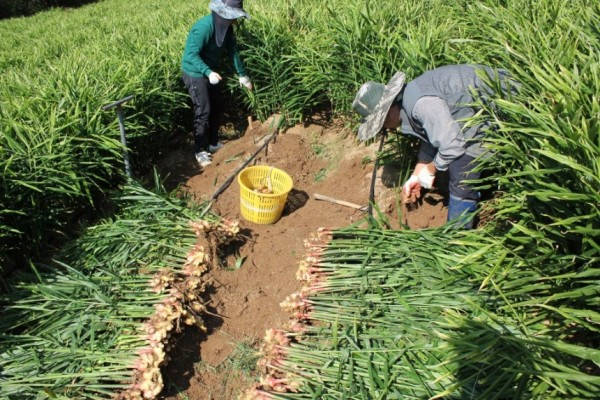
pixel 183 304
pixel 381 315
pixel 105 328
pixel 263 189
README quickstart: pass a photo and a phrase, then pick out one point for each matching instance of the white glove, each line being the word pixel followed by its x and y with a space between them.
pixel 214 78
pixel 245 81
pixel 409 185
pixel 425 178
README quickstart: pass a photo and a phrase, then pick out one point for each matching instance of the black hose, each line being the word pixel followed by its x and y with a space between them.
pixel 374 175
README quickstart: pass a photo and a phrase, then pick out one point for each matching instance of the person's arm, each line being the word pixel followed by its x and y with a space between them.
pixel 197 40
pixel 442 131
pixel 234 54
pixel 236 60
pixel 423 174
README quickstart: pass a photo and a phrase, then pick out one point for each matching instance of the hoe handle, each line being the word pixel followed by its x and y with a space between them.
pixel 318 196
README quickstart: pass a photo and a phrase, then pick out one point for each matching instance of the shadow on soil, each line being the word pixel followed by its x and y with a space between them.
pixel 185 354
pixel 296 200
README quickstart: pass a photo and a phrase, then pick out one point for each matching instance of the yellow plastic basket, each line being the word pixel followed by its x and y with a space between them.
pixel 263 208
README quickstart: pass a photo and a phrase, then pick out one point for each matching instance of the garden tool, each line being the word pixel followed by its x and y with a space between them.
pixel 119 111
pixel 318 196
pixel 241 167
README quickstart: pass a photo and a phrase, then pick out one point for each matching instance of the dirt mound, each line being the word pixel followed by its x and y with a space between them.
pixel 320 158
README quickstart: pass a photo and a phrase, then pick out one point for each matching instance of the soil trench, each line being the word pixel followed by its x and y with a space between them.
pixel 320 158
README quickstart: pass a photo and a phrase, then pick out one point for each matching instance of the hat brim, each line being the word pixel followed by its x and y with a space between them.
pixel 227 12
pixel 373 123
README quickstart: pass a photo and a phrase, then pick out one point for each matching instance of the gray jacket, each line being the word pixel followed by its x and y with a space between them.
pixel 434 107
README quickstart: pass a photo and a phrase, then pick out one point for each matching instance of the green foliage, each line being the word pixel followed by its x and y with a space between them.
pixel 439 313
pixel 60 153
pixel 303 56
pixel 73 329
pixel 547 139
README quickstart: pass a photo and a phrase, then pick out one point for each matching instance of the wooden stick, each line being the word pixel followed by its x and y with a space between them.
pixel 318 196
pixel 240 168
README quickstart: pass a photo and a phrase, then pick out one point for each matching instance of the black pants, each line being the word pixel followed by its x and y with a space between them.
pixel 208 109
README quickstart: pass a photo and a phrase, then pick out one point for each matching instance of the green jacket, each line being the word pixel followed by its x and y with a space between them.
pixel 201 55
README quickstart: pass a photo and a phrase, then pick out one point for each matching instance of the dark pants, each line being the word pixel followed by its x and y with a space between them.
pixel 463 198
pixel 459 170
pixel 208 109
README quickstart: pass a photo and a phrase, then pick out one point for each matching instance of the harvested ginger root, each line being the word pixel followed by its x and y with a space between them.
pixel 263 189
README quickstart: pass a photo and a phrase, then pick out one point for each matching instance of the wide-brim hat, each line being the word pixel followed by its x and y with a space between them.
pixel 373 101
pixel 229 9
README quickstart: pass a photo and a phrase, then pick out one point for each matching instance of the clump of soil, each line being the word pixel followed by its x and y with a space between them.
pixel 321 158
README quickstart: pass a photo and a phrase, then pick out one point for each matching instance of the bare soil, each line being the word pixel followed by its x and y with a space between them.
pixel 320 157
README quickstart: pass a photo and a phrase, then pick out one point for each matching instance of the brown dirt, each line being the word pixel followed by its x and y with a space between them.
pixel 320 158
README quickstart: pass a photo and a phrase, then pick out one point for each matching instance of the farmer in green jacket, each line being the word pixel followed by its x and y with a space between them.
pixel 208 39
pixel 433 107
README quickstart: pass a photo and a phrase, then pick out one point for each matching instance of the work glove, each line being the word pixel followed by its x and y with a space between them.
pixel 245 81
pixel 425 178
pixel 214 78
pixel 411 186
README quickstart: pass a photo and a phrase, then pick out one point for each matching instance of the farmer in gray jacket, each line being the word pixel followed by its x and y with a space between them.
pixel 433 107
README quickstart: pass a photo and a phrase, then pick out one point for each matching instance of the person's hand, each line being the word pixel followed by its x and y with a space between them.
pixel 214 78
pixel 425 178
pixel 245 81
pixel 411 189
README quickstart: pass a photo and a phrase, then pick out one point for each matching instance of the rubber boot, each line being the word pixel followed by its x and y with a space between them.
pixel 461 212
